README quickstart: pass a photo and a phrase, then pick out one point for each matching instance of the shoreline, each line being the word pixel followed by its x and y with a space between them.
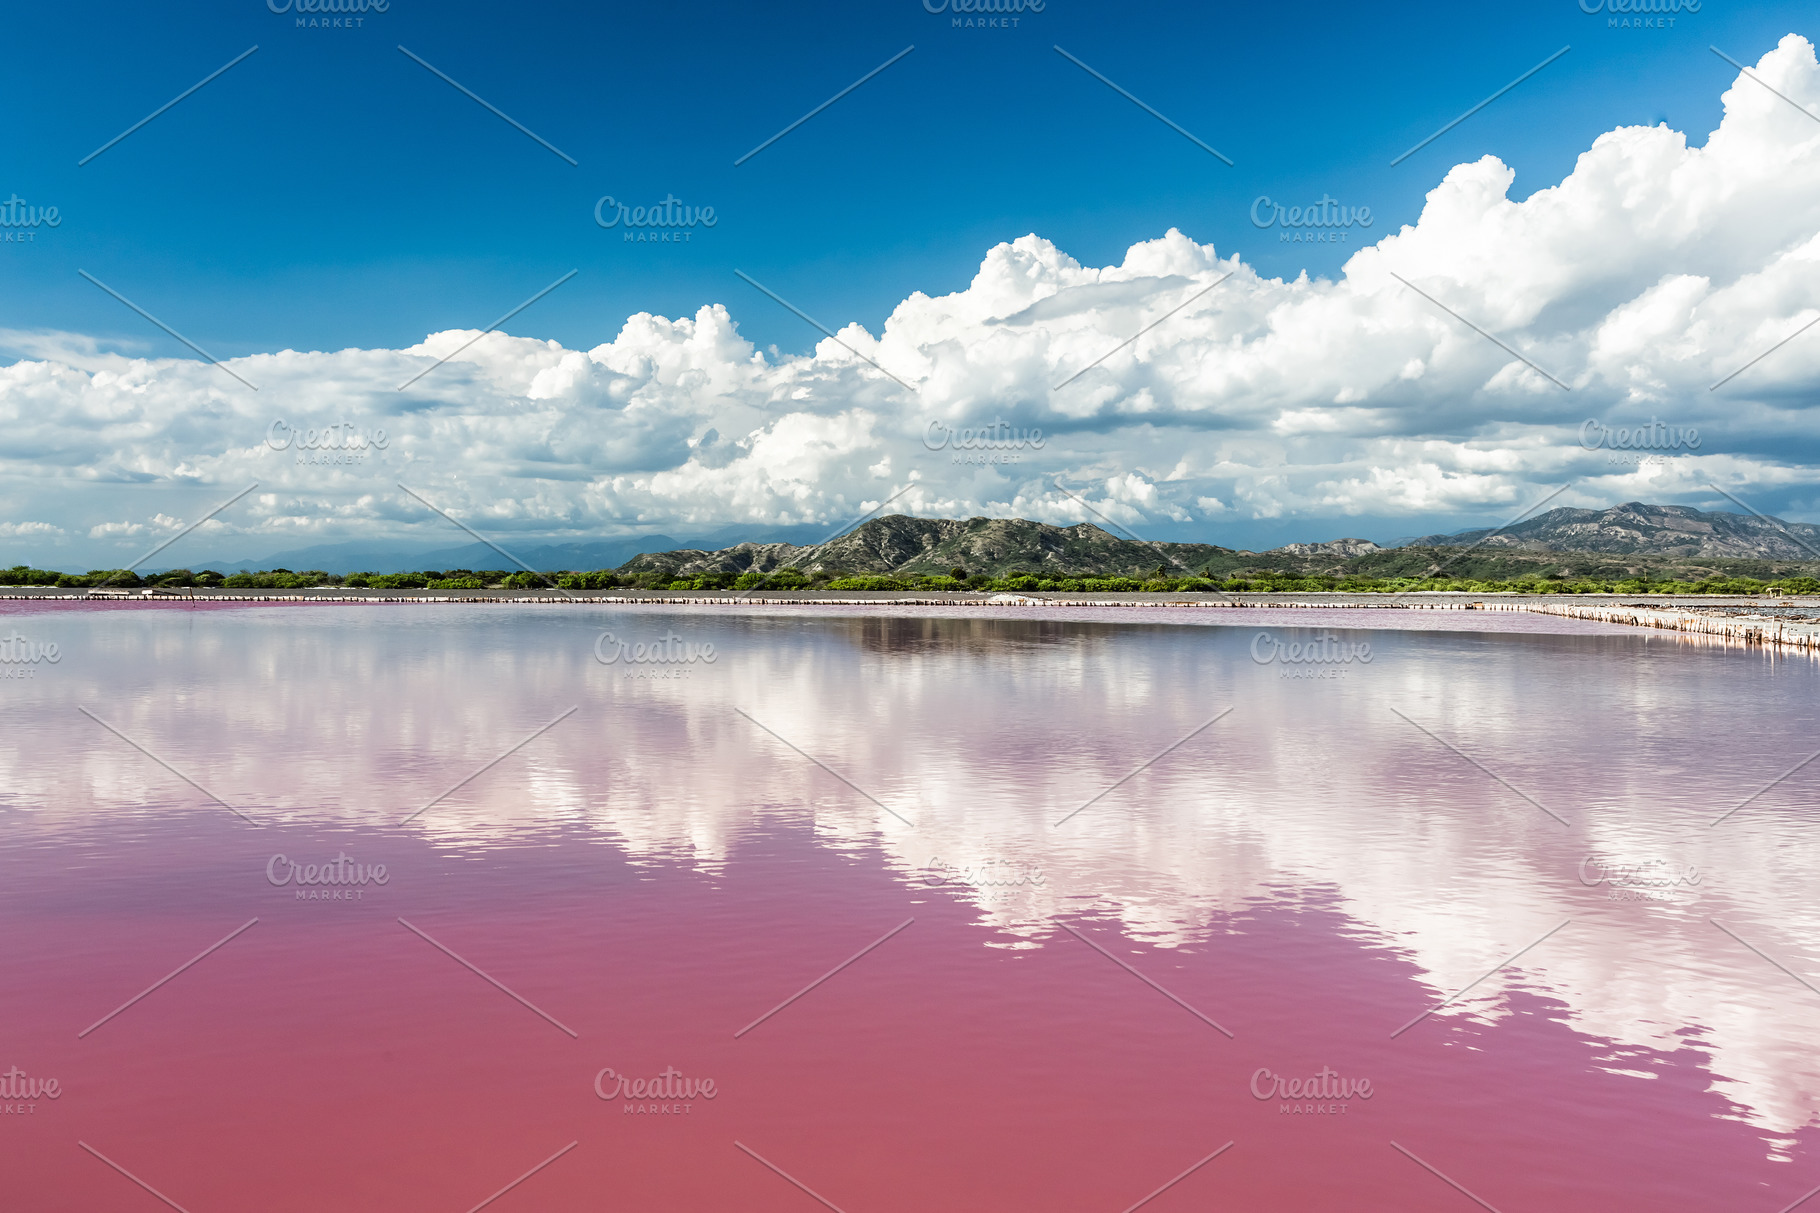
pixel 1751 631
pixel 1690 615
pixel 1407 600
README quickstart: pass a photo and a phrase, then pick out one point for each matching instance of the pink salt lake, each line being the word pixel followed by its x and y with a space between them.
pixel 1103 925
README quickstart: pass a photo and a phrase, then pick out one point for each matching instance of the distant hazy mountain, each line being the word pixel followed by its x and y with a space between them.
pixel 1333 547
pixel 997 546
pixel 1656 530
pixel 367 557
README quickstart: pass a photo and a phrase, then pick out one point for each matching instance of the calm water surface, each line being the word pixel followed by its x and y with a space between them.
pixel 1120 930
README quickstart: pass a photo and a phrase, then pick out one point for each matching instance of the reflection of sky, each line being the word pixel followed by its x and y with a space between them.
pixel 985 731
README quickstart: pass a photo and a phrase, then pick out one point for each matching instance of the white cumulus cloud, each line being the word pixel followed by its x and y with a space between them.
pixel 1656 269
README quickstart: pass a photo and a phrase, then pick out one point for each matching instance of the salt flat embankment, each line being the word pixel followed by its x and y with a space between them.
pixel 1749 630
pixel 1693 615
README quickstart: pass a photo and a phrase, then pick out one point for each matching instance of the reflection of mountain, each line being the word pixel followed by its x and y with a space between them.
pixel 987 731
pixel 973 637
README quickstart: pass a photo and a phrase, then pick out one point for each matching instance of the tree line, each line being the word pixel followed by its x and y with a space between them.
pixel 955 579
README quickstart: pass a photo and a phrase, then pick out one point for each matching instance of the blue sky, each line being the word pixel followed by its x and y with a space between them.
pixel 329 192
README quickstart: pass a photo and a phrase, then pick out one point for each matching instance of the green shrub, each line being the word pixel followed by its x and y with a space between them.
pixel 24 574
pixel 113 579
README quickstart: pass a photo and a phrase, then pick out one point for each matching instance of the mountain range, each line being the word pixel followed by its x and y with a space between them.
pixel 1622 536
pixel 901 544
pixel 1668 536
pixel 1654 530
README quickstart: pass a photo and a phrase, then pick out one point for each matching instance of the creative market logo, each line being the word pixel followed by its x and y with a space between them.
pixel 1312 224
pixel 993 443
pixel 21 657
pixel 665 222
pixel 1656 9
pixel 335 445
pixel 1326 1094
pixel 667 657
pixel 994 879
pixel 990 12
pixel 1650 880
pixel 15 1085
pixel 341 879
pixel 329 7
pixel 1326 657
pixel 20 221
pixel 1657 442
pixel 669 1094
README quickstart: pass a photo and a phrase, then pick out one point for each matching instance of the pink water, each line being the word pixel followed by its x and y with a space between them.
pixel 668 863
